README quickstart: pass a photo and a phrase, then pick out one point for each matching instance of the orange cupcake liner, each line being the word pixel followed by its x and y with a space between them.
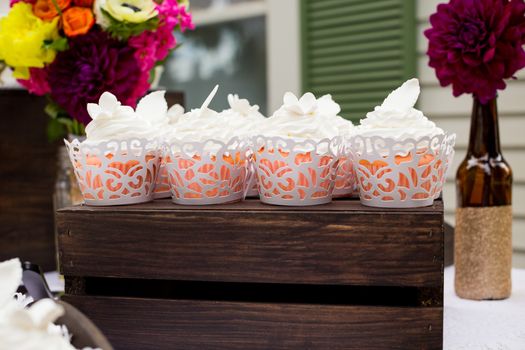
pixel 295 177
pixel 203 178
pixel 118 178
pixel 409 179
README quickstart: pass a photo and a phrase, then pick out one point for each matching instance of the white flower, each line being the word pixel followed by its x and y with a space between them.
pixel 306 105
pixel 133 11
pixel 242 106
pixel 101 20
pixel 109 107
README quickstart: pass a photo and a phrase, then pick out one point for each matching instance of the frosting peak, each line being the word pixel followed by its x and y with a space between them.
pixel 307 118
pixel 397 117
pixel 200 124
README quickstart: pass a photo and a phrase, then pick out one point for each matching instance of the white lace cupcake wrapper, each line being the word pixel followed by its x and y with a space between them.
pixel 295 173
pixel 401 174
pixel 210 172
pixel 115 172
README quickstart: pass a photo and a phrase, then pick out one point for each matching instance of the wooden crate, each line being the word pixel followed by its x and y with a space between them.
pixel 253 276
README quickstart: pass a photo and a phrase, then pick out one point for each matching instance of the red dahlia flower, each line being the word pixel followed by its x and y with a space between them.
pixel 476 44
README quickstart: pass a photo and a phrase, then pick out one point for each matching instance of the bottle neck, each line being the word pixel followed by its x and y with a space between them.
pixel 484 130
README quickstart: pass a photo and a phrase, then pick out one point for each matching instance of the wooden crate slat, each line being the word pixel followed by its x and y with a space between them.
pixel 341 243
pixel 147 324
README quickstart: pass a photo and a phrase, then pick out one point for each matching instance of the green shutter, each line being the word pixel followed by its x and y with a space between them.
pixel 357 50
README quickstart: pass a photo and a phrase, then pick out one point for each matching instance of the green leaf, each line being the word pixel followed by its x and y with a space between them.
pixel 59 44
pixel 60 122
pixel 54 111
pixel 123 30
pixel 55 130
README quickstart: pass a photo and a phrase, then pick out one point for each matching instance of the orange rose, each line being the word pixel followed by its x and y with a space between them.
pixel 46 9
pixel 84 3
pixel 77 21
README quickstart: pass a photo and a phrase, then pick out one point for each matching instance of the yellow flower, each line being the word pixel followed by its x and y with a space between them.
pixel 133 11
pixel 22 40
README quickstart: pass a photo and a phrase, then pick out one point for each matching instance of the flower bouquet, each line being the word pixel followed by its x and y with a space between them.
pixel 74 50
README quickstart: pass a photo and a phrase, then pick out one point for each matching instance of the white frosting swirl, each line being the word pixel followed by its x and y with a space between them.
pixel 112 121
pixel 199 125
pixel 307 118
pixel 242 118
pixel 397 118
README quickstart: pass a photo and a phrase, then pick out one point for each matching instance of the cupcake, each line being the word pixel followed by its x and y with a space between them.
pixel 297 153
pixel 118 162
pixel 401 157
pixel 206 162
pixel 244 120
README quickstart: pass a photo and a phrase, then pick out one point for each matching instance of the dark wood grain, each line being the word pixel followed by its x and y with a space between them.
pixel 147 324
pixel 27 173
pixel 250 204
pixel 343 243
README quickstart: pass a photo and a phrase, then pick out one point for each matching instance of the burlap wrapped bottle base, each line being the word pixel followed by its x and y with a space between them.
pixel 483 252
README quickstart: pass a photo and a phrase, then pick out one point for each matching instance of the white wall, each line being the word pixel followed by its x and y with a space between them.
pixel 283 40
pixel 453 114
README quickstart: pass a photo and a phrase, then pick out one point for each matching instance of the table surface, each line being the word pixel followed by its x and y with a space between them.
pixel 483 325
pixel 475 325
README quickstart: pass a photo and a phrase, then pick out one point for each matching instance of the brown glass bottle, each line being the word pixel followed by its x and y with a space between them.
pixel 483 240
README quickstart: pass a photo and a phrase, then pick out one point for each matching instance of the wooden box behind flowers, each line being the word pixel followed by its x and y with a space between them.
pixel 253 276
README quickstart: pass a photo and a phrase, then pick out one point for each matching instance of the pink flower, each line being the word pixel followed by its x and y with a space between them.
pixel 37 82
pixel 145 45
pixel 185 20
pixel 153 46
pixel 172 14
pixel 141 88
pixel 166 42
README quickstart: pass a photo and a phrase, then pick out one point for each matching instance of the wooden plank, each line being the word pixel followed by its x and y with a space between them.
pixel 192 324
pixel 27 174
pixel 352 206
pixel 342 243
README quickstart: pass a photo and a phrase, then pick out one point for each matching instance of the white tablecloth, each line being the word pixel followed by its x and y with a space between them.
pixel 480 325
pixel 469 325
